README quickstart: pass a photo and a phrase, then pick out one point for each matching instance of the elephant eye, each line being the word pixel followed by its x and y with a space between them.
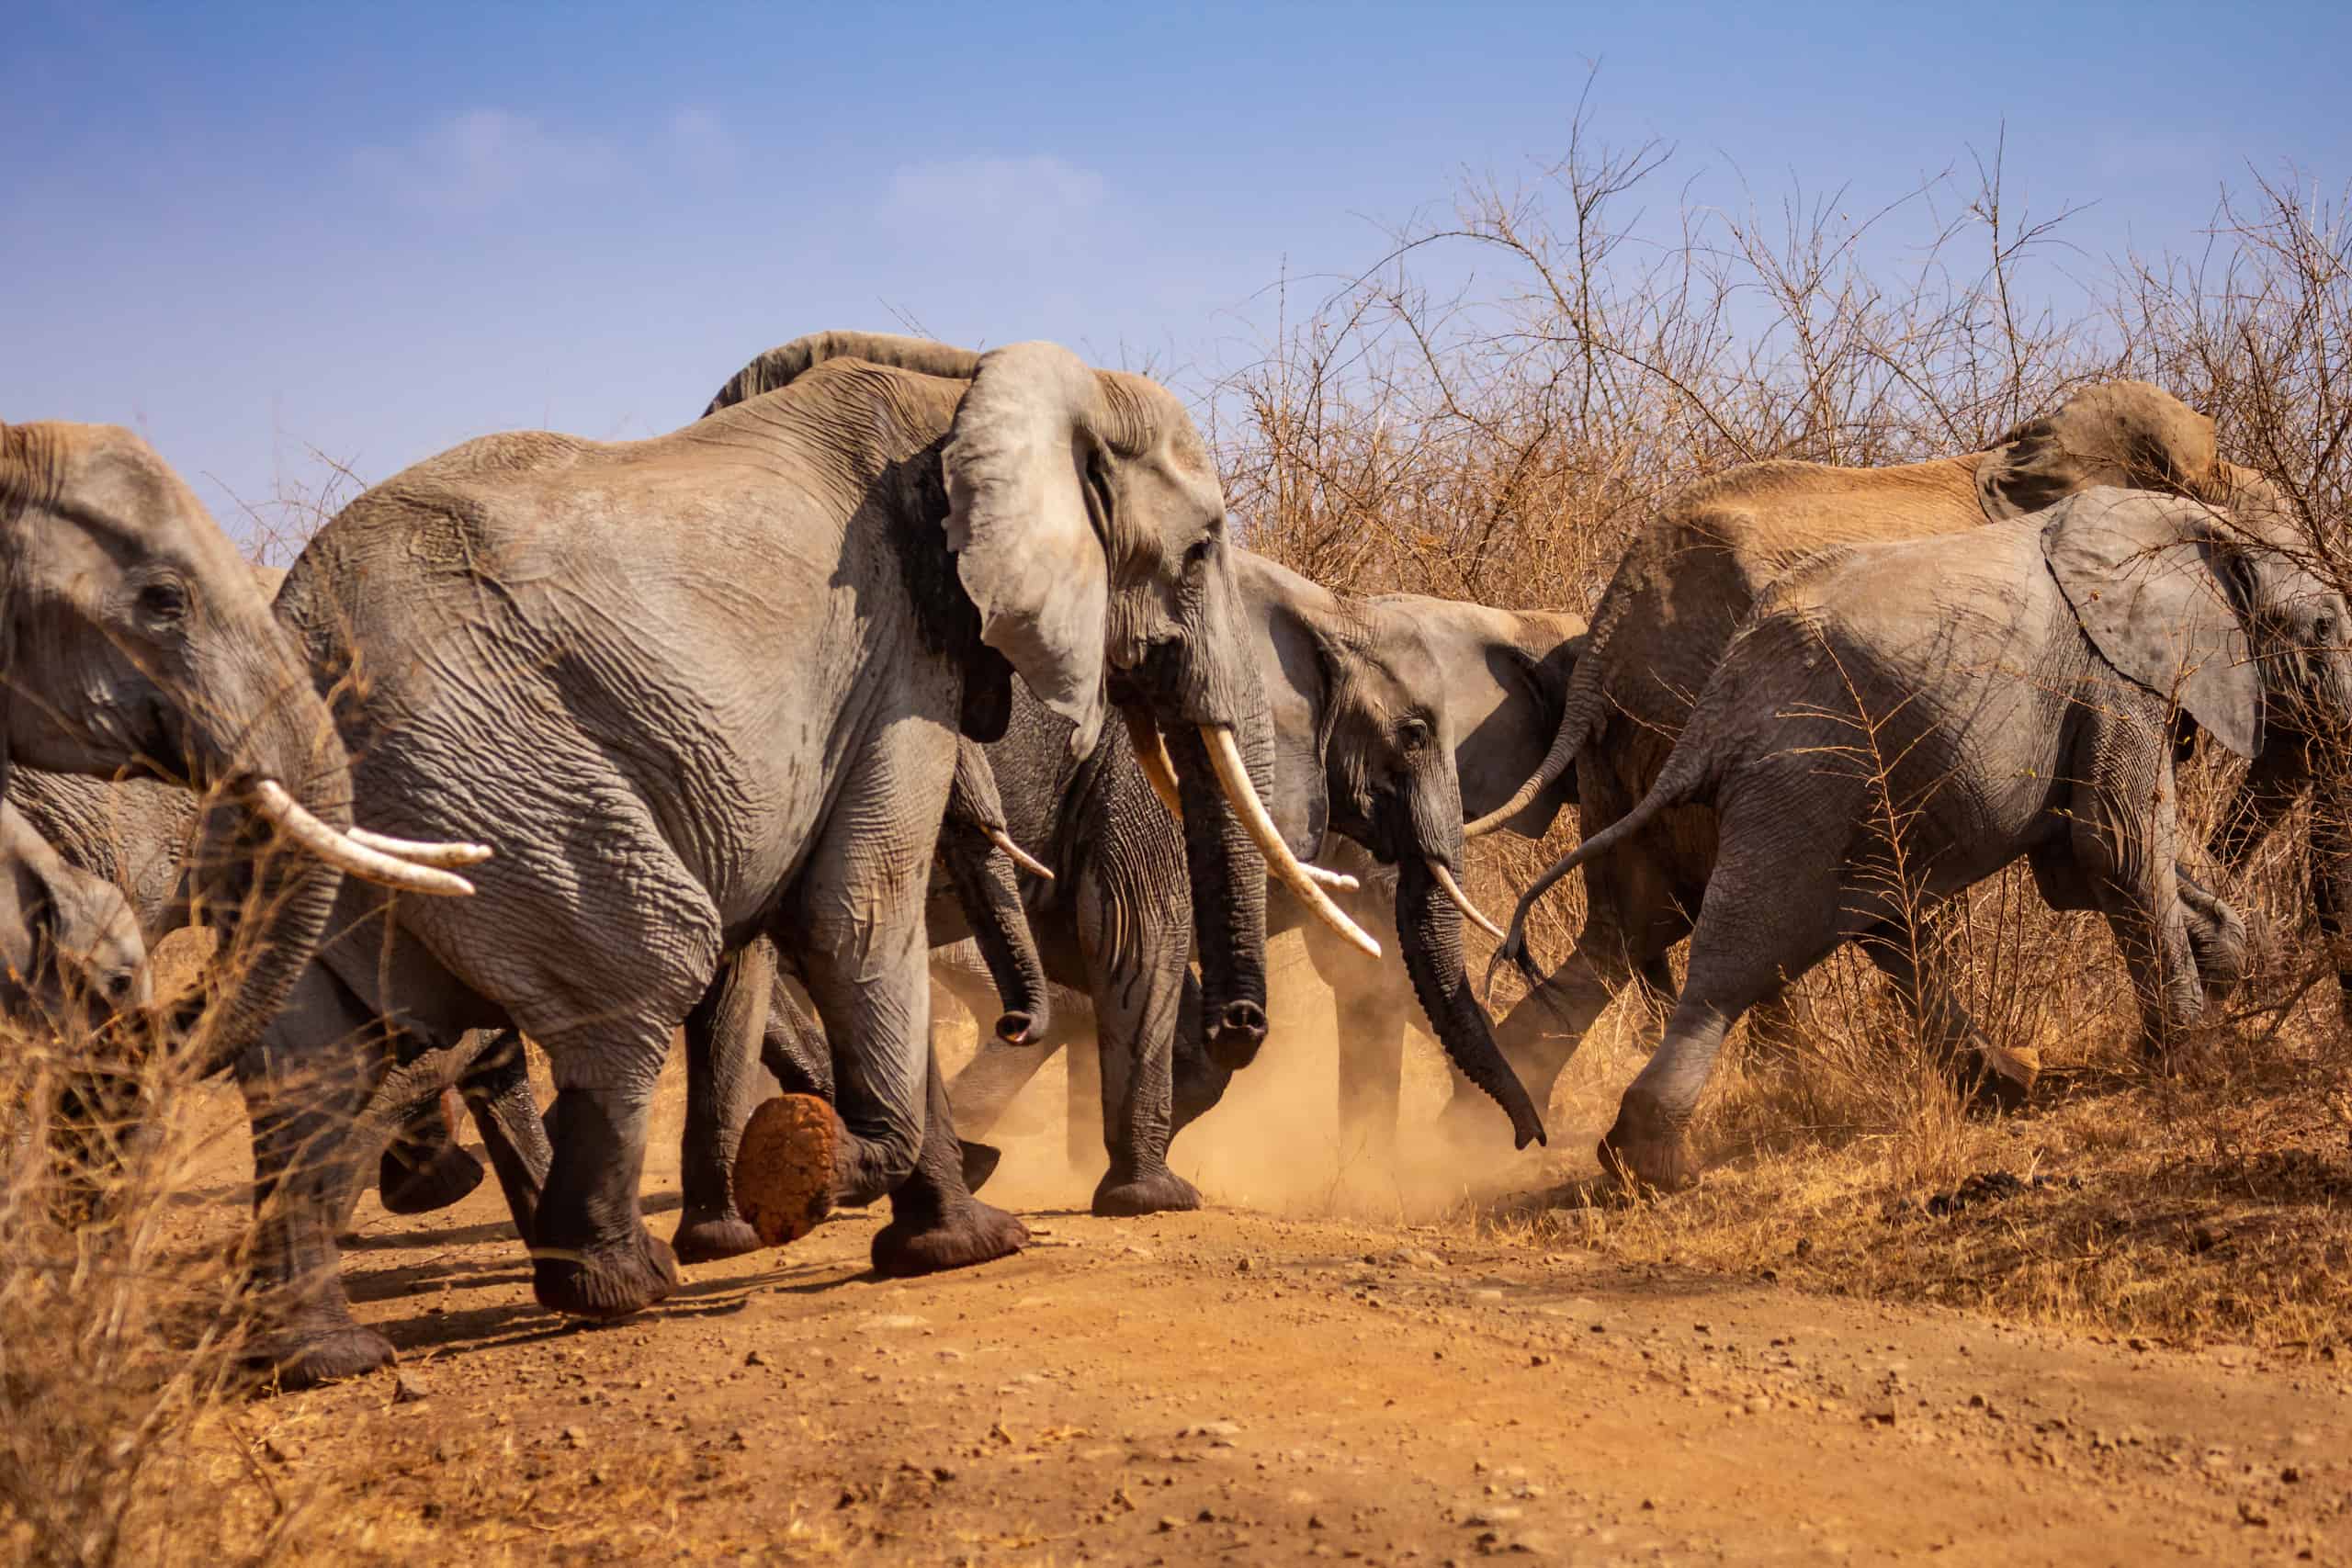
pixel 2324 630
pixel 1413 734
pixel 163 603
pixel 1197 556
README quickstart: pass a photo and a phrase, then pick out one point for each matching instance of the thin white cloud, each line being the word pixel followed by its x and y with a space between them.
pixel 1033 197
pixel 479 159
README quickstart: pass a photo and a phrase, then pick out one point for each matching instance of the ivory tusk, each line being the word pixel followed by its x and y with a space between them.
pixel 1152 753
pixel 288 815
pixel 1020 856
pixel 1462 902
pixel 1338 881
pixel 1225 755
pixel 448 857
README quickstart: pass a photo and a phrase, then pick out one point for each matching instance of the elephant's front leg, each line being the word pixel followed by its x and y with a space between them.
pixel 2123 834
pixel 935 1223
pixel 1135 934
pixel 305 1086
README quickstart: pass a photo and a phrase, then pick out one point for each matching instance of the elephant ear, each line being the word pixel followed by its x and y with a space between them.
pixel 2156 589
pixel 2126 434
pixel 1300 693
pixel 1022 468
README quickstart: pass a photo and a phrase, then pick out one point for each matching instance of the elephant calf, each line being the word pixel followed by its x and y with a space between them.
pixel 1898 721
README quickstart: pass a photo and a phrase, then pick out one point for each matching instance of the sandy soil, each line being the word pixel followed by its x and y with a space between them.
pixel 1234 1387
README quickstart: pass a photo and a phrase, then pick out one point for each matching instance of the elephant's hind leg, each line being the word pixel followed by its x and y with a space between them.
pixel 1761 927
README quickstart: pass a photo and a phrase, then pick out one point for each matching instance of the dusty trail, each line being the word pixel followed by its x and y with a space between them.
pixel 1227 1386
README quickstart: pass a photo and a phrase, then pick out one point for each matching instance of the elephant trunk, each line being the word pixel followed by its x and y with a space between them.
pixel 988 892
pixel 1429 925
pixel 1229 880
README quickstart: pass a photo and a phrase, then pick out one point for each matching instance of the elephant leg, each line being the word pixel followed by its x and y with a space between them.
pixel 1136 943
pixel 506 1114
pixel 1372 1018
pixel 424 1168
pixel 1761 925
pixel 1373 1011
pixel 855 922
pixel 2217 935
pixel 935 1223
pixel 1200 1081
pixel 1631 921
pixel 793 1047
pixel 724 1035
pixel 1085 1133
pixel 304 1099
pixel 2003 1075
pixel 2122 834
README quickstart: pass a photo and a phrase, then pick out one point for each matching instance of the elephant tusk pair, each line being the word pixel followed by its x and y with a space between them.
pixel 1453 890
pixel 364 859
pixel 1019 856
pixel 1225 756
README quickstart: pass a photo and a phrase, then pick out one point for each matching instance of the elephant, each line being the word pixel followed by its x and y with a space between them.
pixel 134 637
pixel 707 688
pixel 69 942
pixel 1349 679
pixel 1898 721
pixel 1693 574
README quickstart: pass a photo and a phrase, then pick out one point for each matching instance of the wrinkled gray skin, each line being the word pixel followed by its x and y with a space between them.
pixel 1691 576
pixel 2016 686
pixel 134 637
pixel 1393 715
pixel 71 955
pixel 705 688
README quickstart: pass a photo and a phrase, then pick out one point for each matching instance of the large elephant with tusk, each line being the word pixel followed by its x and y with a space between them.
pixel 132 636
pixel 708 688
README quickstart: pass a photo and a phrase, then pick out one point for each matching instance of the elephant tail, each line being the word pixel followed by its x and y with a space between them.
pixel 1688 774
pixel 1584 706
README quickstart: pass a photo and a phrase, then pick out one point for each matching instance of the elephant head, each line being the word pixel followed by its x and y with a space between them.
pixel 1089 533
pixel 132 637
pixel 70 944
pixel 1365 748
pixel 2220 612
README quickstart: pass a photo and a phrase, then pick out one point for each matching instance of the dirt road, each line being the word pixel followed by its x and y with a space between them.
pixel 1231 1387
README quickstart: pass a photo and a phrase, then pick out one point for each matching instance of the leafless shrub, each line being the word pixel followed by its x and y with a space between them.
pixel 1492 409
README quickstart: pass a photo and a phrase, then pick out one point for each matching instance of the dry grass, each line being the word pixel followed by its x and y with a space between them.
pixel 1502 440
pixel 123 1434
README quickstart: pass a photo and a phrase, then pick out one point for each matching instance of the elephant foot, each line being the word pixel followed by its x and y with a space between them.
pixel 449 1174
pixel 967 1233
pixel 784 1167
pixel 1997 1077
pixel 1640 1152
pixel 300 1360
pixel 713 1238
pixel 980 1161
pixel 608 1283
pixel 1156 1193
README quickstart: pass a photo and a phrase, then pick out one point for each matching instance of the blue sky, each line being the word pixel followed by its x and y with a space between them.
pixel 248 230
